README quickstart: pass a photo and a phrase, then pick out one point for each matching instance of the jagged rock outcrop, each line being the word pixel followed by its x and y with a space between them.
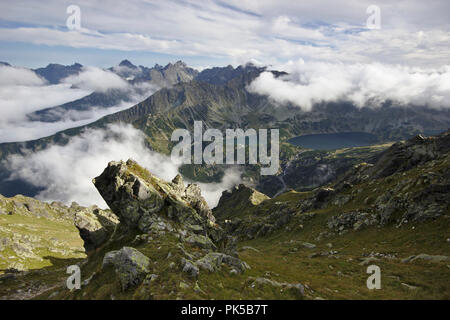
pixel 403 156
pixel 137 196
pixel 165 212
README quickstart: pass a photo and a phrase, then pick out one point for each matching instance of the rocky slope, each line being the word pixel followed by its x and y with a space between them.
pixel 165 243
pixel 409 181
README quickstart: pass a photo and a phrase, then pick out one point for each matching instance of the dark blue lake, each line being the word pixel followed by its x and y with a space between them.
pixel 331 141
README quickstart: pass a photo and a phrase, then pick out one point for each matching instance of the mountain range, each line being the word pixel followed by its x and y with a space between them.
pixel 220 98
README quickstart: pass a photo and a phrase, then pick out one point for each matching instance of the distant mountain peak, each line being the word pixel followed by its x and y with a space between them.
pixel 2 63
pixel 180 63
pixel 127 63
pixel 54 72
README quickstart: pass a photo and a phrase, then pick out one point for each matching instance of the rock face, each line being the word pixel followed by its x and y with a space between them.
pixel 352 220
pixel 95 225
pixel 240 197
pixel 130 265
pixel 137 196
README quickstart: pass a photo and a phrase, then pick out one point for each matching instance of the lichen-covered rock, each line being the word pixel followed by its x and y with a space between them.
pixel 95 225
pixel 427 257
pixel 297 288
pixel 200 241
pixel 131 266
pixel 189 267
pixel 213 262
pixel 352 220
pixel 135 195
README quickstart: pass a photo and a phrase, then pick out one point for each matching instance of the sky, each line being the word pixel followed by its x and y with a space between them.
pixel 216 33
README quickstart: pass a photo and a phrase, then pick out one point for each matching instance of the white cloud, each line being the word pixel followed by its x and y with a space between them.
pixel 363 84
pixel 18 100
pixel 213 191
pixel 65 172
pixel 413 32
pixel 30 130
pixel 96 79
pixel 13 76
pixel 22 92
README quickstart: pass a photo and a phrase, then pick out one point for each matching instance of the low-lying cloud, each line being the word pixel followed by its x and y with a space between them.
pixel 96 79
pixel 363 84
pixel 13 76
pixel 23 92
pixel 65 172
pixel 30 130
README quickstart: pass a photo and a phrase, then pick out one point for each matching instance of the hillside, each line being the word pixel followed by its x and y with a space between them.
pixel 315 244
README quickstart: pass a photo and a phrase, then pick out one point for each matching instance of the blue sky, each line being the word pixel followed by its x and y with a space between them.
pixel 34 56
pixel 212 33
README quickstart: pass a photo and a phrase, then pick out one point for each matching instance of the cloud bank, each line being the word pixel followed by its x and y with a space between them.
pixel 65 172
pixel 23 92
pixel 96 79
pixel 13 76
pixel 363 84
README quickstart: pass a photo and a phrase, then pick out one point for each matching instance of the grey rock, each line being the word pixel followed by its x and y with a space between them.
pixel 130 265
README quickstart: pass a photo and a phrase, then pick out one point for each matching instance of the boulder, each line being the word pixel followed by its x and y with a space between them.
pixel 427 257
pixel 131 266
pixel 296 288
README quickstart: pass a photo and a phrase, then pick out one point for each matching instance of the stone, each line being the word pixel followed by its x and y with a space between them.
pixel 297 288
pixel 130 265
pixel 308 245
pixel 190 268
pixel 408 286
pixel 368 260
pixel 95 226
pixel 426 257
pixel 213 261
pixel 200 241
pixel 184 285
